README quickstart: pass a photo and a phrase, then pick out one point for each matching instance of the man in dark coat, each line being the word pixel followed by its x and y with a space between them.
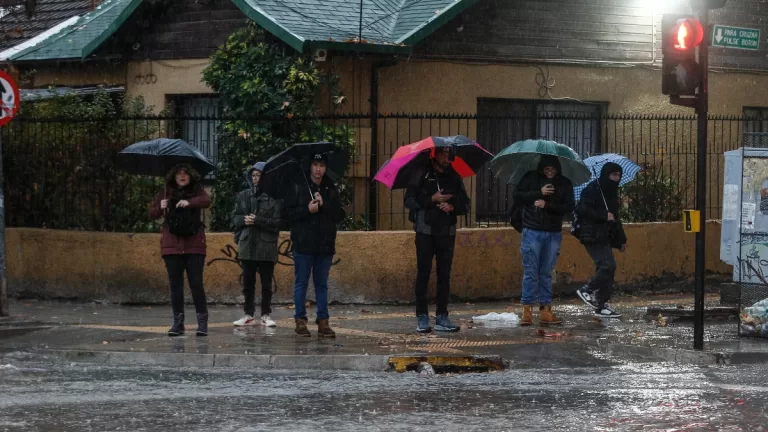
pixel 314 211
pixel 435 200
pixel 257 226
pixel 600 232
pixel 546 197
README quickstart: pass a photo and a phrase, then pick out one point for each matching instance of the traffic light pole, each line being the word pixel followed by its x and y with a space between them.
pixel 702 111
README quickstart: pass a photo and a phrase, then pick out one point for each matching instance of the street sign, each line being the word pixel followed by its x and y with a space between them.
pixel 9 98
pixel 735 37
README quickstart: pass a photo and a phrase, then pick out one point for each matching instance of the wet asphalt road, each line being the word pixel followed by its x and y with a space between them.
pixel 41 395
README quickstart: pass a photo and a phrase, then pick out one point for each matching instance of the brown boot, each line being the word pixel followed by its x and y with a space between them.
pixel 324 330
pixel 301 328
pixel 546 316
pixel 527 318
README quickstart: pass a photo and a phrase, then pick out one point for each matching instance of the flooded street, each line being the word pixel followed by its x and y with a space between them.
pixel 42 394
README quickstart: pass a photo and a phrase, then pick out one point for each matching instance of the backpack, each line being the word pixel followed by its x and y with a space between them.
pixel 516 217
pixel 183 222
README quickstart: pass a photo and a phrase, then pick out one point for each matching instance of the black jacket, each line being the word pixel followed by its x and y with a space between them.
pixel 314 234
pixel 425 214
pixel 558 206
pixel 593 218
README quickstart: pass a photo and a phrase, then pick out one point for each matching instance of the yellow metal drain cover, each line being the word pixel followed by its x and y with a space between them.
pixel 448 363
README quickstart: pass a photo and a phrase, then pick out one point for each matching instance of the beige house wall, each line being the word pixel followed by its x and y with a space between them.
pixel 171 78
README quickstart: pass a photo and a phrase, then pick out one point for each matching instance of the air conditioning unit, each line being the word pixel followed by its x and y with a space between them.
pixel 321 54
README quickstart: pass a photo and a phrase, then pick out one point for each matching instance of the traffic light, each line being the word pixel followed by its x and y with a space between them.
pixel 680 72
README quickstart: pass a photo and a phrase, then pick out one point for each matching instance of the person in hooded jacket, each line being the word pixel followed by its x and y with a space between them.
pixel 546 197
pixel 257 219
pixel 435 200
pixel 600 232
pixel 183 191
pixel 314 210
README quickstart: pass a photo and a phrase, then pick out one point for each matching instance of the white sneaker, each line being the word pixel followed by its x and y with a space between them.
pixel 245 321
pixel 607 312
pixel 267 321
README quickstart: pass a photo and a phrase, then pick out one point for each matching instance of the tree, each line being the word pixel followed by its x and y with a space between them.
pixel 268 93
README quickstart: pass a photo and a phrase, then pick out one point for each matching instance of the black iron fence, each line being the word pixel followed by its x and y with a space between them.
pixel 61 173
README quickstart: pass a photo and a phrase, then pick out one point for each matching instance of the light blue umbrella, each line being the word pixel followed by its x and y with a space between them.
pixel 595 164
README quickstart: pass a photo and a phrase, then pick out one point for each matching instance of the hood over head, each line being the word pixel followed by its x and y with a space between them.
pixel 258 166
pixel 549 161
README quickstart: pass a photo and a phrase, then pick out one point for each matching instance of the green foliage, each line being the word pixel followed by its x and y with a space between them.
pixel 268 93
pixel 60 157
pixel 652 197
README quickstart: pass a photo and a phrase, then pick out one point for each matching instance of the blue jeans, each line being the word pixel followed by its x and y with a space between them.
pixel 320 267
pixel 540 250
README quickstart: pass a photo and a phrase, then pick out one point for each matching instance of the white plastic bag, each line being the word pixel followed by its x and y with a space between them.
pixel 498 319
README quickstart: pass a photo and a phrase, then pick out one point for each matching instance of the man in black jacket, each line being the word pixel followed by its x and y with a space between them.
pixel 435 200
pixel 546 198
pixel 314 211
pixel 600 231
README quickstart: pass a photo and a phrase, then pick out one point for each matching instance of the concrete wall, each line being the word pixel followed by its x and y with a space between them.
pixel 371 267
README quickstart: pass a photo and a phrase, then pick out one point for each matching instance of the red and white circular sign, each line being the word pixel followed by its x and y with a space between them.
pixel 10 99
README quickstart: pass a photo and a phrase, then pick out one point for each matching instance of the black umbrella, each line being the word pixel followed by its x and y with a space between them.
pixel 157 157
pixel 291 166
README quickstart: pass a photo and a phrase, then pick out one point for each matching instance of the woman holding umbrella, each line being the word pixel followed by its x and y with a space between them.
pixel 182 243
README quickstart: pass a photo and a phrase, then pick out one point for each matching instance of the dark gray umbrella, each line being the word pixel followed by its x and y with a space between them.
pixel 157 157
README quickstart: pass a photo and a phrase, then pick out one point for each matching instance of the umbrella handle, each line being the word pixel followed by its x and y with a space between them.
pixel 311 197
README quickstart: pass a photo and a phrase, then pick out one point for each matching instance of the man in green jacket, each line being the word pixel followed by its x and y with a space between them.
pixel 257 228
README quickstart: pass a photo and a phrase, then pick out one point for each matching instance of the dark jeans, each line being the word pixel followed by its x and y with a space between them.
pixel 601 283
pixel 319 266
pixel 266 269
pixel 193 264
pixel 441 248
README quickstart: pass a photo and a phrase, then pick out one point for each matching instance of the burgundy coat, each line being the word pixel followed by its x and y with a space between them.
pixel 171 244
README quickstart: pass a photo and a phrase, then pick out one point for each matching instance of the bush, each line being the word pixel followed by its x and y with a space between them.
pixel 652 197
pixel 59 162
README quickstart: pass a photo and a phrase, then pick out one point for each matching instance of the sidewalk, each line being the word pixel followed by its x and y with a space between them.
pixel 371 337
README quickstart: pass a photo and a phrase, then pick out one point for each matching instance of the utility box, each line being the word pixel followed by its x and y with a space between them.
pixel 744 235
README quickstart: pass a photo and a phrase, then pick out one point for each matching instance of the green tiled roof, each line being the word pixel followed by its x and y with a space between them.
pixel 391 23
pixel 82 37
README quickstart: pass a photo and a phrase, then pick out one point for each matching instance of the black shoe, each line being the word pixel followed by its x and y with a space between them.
pixel 202 324
pixel 606 312
pixel 178 325
pixel 587 297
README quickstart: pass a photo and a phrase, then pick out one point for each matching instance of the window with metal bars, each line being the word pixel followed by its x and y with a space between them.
pixel 501 122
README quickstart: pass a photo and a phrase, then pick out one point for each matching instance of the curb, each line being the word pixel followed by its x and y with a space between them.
pixel 365 363
pixel 352 362
pixel 686 356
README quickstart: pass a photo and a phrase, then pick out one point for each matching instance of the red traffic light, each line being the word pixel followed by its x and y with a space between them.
pixel 688 34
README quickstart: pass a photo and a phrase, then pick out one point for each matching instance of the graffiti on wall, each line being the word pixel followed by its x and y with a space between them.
pixel 230 254
pixel 498 239
pixel 752 263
